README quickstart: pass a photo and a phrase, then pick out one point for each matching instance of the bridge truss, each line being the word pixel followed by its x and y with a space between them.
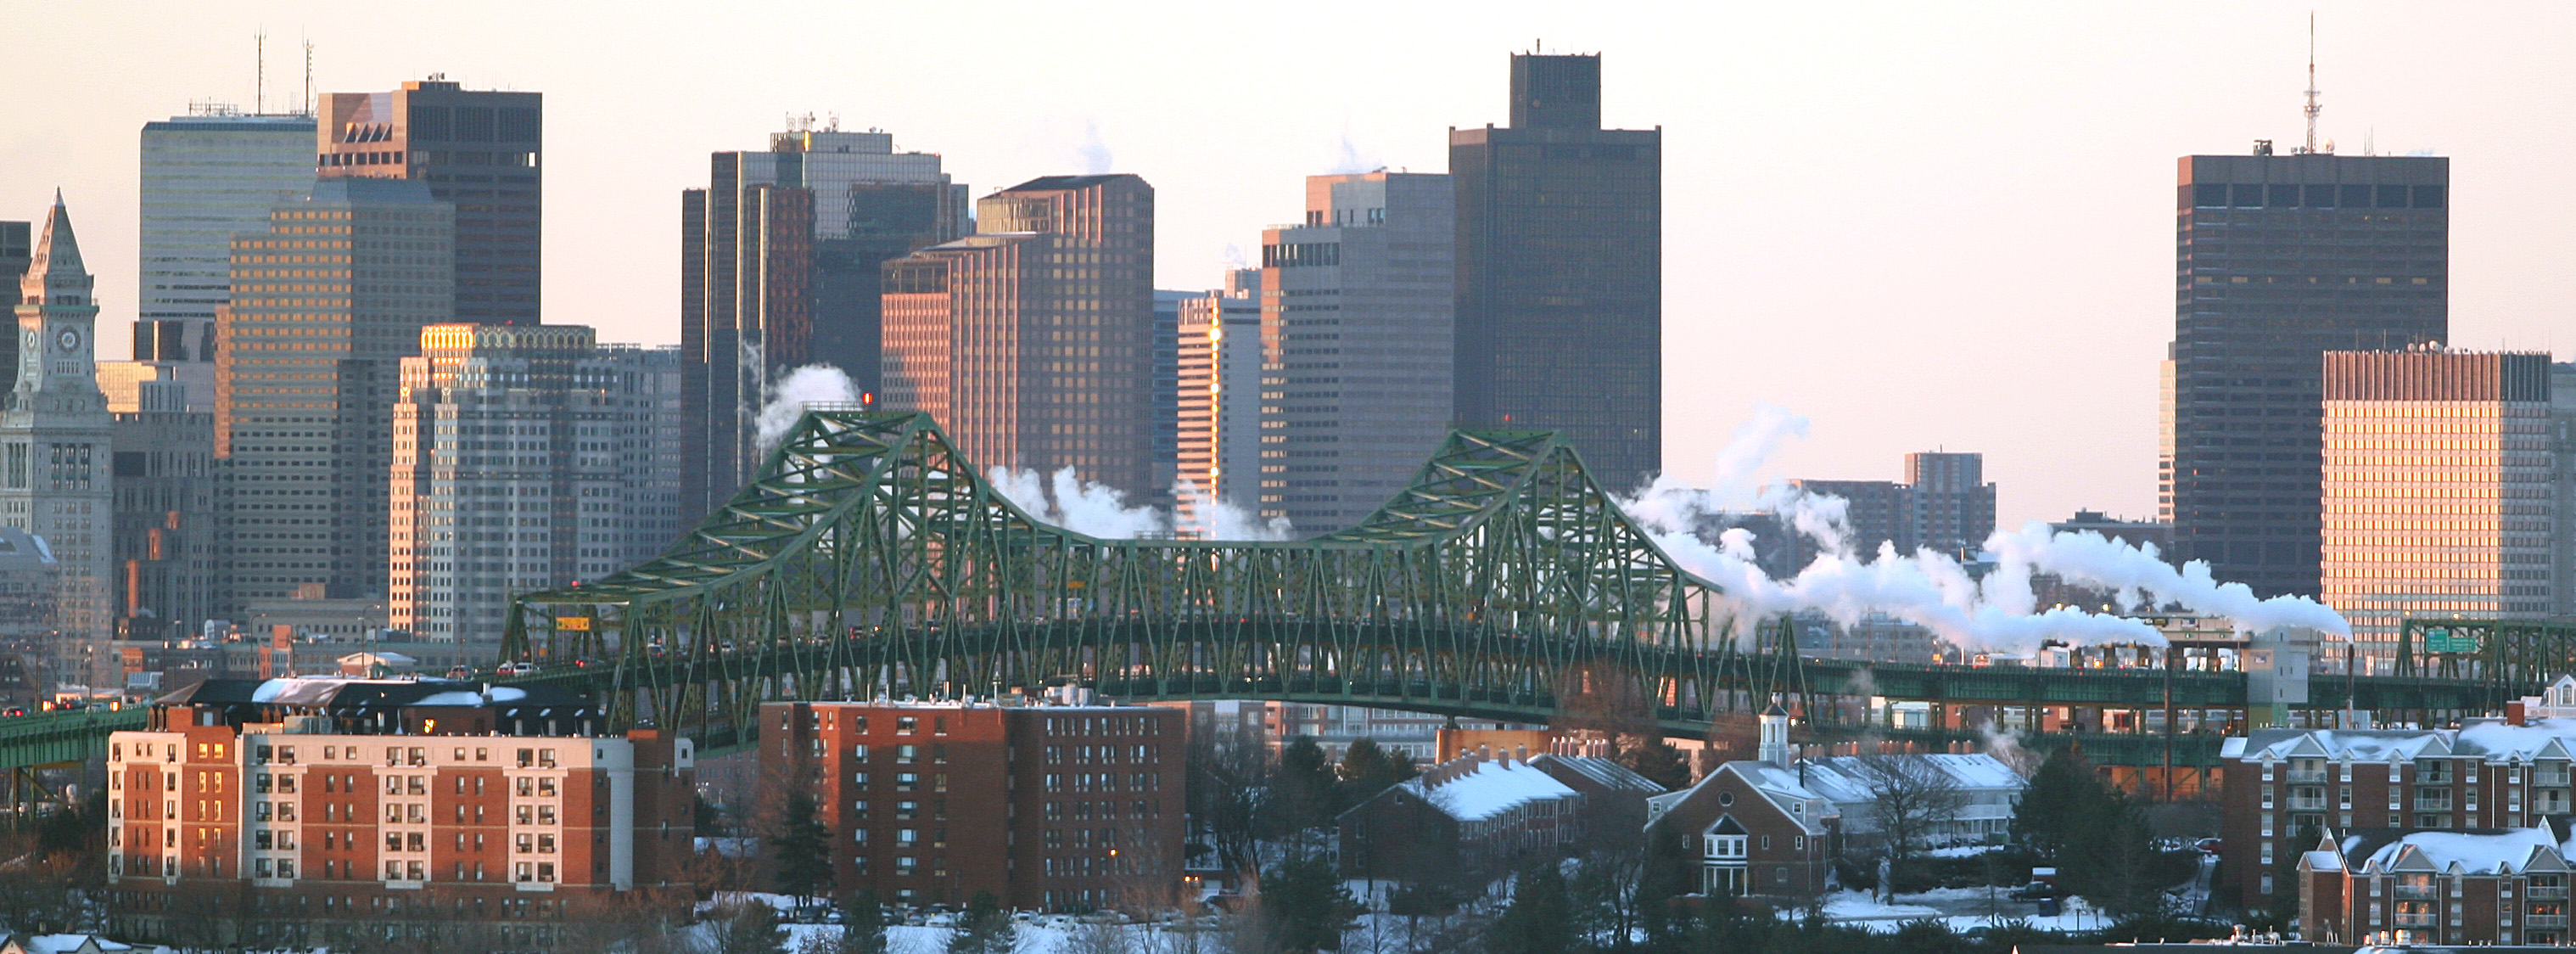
pixel 869 559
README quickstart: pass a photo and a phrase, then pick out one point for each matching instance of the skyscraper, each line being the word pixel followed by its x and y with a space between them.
pixel 17 248
pixel 1560 271
pixel 1358 322
pixel 782 256
pixel 55 441
pixel 326 303
pixel 2280 260
pixel 206 176
pixel 166 510
pixel 1944 504
pixel 1030 342
pixel 525 458
pixel 482 152
pixel 2442 493
pixel 1218 407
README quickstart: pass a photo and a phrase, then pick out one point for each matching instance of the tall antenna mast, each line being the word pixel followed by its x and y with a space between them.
pixel 259 85
pixel 308 76
pixel 2313 106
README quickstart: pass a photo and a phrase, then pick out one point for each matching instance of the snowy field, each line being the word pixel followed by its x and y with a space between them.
pixel 1960 908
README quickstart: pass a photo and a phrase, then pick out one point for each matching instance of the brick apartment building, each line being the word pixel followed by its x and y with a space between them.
pixel 1047 806
pixel 347 811
pixel 2479 887
pixel 2285 788
pixel 1471 815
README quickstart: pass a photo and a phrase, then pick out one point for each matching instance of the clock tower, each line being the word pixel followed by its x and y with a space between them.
pixel 55 448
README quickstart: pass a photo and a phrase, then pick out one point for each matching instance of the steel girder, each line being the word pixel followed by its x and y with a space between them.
pixel 869 559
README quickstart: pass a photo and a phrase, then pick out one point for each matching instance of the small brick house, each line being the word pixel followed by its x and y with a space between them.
pixel 1751 829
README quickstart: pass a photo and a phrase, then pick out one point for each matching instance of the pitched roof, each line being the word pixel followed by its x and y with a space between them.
pixel 1486 788
pixel 1600 771
pixel 56 264
pixel 2493 740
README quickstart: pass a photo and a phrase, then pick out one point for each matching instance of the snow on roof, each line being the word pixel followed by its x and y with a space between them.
pixel 65 943
pixel 2322 861
pixel 1846 778
pixel 1489 788
pixel 1601 771
pixel 2493 740
pixel 2475 852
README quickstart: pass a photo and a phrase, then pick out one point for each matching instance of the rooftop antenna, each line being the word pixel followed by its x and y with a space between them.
pixel 259 83
pixel 308 76
pixel 2313 106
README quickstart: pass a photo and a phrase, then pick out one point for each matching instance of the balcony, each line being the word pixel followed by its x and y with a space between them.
pixel 2537 921
pixel 2543 893
pixel 2427 803
pixel 2417 892
pixel 2416 920
pixel 2307 776
pixel 2316 804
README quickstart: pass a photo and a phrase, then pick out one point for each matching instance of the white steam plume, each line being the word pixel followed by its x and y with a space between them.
pixel 1215 519
pixel 1066 500
pixel 811 384
pixel 1094 152
pixel 1927 588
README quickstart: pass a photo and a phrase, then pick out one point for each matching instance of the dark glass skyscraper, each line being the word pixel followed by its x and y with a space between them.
pixel 478 150
pixel 2280 259
pixel 781 259
pixel 1560 271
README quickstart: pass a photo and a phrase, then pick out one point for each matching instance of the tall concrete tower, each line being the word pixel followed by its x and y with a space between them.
pixel 55 440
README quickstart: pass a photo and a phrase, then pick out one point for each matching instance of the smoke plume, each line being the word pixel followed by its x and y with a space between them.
pixel 1099 510
pixel 1927 588
pixel 811 384
pixel 1093 152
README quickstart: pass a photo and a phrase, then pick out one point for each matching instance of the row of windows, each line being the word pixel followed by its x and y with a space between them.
pixel 2257 196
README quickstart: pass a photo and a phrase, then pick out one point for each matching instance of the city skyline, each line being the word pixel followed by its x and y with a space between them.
pixel 2082 223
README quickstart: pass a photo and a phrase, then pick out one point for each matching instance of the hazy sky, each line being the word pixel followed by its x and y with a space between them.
pixel 1922 225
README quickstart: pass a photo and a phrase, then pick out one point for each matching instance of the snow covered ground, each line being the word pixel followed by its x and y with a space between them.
pixel 1960 908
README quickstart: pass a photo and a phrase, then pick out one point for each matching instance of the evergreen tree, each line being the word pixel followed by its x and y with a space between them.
pixel 984 928
pixel 1541 915
pixel 1366 770
pixel 1661 917
pixel 1305 789
pixel 2055 805
pixel 1304 906
pixel 863 927
pixel 804 852
pixel 1655 759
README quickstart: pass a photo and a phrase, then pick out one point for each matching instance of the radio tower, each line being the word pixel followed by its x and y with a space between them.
pixel 2313 106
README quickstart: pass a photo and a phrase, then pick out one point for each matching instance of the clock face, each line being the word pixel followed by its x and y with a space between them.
pixel 69 340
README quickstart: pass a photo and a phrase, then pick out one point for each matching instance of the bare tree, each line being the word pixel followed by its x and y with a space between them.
pixel 1910 797
pixel 1098 938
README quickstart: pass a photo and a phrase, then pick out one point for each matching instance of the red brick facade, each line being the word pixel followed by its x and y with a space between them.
pixel 1046 807
pixel 296 828
pixel 1750 829
pixel 2280 783
pixel 2455 888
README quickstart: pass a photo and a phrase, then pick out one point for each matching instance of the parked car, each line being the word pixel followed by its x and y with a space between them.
pixel 515 668
pixel 2034 891
pixel 2207 844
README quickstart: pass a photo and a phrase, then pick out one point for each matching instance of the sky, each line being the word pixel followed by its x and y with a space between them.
pixel 1922 226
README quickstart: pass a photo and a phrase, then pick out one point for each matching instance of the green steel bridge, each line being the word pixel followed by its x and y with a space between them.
pixel 870 559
